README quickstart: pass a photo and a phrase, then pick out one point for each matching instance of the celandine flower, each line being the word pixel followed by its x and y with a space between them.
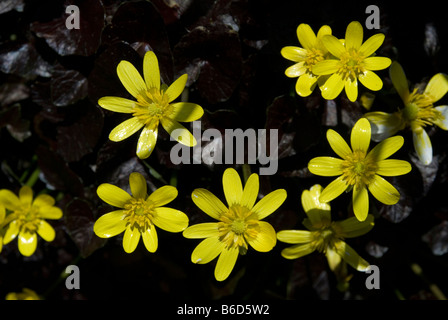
pixel 26 294
pixel 359 169
pixel 312 52
pixel 354 61
pixel 418 112
pixel 239 224
pixel 139 213
pixel 27 218
pixel 324 235
pixel 153 106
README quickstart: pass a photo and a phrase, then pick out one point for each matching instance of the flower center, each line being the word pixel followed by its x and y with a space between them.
pixel 351 64
pixel 28 218
pixel 139 213
pixel 357 169
pixel 236 225
pixel 419 111
pixel 313 56
pixel 326 237
pixel 152 104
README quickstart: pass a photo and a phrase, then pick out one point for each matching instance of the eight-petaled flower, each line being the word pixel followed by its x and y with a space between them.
pixel 153 106
pixel 239 224
pixel 26 218
pixel 311 52
pixel 324 235
pixel 353 61
pixel 139 213
pixel 418 112
pixel 361 169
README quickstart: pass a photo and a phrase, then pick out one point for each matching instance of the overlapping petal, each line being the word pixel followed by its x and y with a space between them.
pixel 113 195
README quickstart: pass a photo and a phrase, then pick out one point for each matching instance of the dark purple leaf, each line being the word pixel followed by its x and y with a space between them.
pixel 79 221
pixel 13 91
pixel 437 238
pixel 376 250
pixel 83 41
pixel 17 126
pixel 8 5
pixel 67 87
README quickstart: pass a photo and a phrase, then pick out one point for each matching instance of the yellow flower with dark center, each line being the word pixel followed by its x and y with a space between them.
pixel 361 169
pixel 324 235
pixel 27 218
pixel 239 224
pixel 418 112
pixel 153 106
pixel 139 213
pixel 354 60
pixel 311 52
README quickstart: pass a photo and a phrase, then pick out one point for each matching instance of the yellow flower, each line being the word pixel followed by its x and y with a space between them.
pixel 239 224
pixel 26 294
pixel 139 213
pixel 325 235
pixel 27 218
pixel 418 112
pixel 353 61
pixel 360 169
pixel 153 105
pixel 312 52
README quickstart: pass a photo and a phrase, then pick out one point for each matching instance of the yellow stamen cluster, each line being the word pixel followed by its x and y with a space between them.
pixel 419 111
pixel 352 64
pixel 237 224
pixel 139 213
pixel 357 169
pixel 313 56
pixel 152 103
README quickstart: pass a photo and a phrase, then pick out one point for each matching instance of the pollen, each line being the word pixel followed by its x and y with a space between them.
pixel 351 64
pixel 152 104
pixel 358 170
pixel 139 213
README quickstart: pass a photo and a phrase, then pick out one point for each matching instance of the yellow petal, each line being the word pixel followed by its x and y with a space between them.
pixel 297 251
pixel 162 196
pixel 209 203
pixel 442 122
pixel 399 80
pixel 110 224
pixel 43 200
pixel 27 243
pixel 306 36
pixel 333 258
pixel 26 195
pixel 392 167
pixel 352 227
pixel 333 190
pixel 125 129
pixel 178 132
pixel 11 232
pixel 186 111
pixel 338 144
pixel 2 214
pixel 306 84
pixel 351 89
pixel 333 45
pixel 323 31
pixel 53 213
pixel 147 140
pixel 226 262
pixel 383 191
pixel 266 238
pixel 250 192
pixel 437 87
pixel 207 250
pixel 130 239
pixel 150 239
pixel 233 188
pixel 138 185
pixel 377 63
pixel 318 213
pixel 131 78
pixel 325 166
pixel 151 71
pixel 370 80
pixel 354 35
pixel 202 230
pixel 46 231
pixel 422 145
pixel 360 137
pixel 117 104
pixel 296 70
pixel 294 236
pixel 371 45
pixel 170 220
pixel 9 200
pixel 269 203
pixel 351 256
pixel 113 195
pixel 176 88
pixel 360 202
pixel 332 87
pixel 295 54
pixel 384 125
pixel 326 67
pixel 386 148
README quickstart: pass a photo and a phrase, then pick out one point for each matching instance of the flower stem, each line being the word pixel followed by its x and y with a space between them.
pixel 432 286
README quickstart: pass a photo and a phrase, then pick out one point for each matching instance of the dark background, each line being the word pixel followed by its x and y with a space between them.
pixel 52 77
